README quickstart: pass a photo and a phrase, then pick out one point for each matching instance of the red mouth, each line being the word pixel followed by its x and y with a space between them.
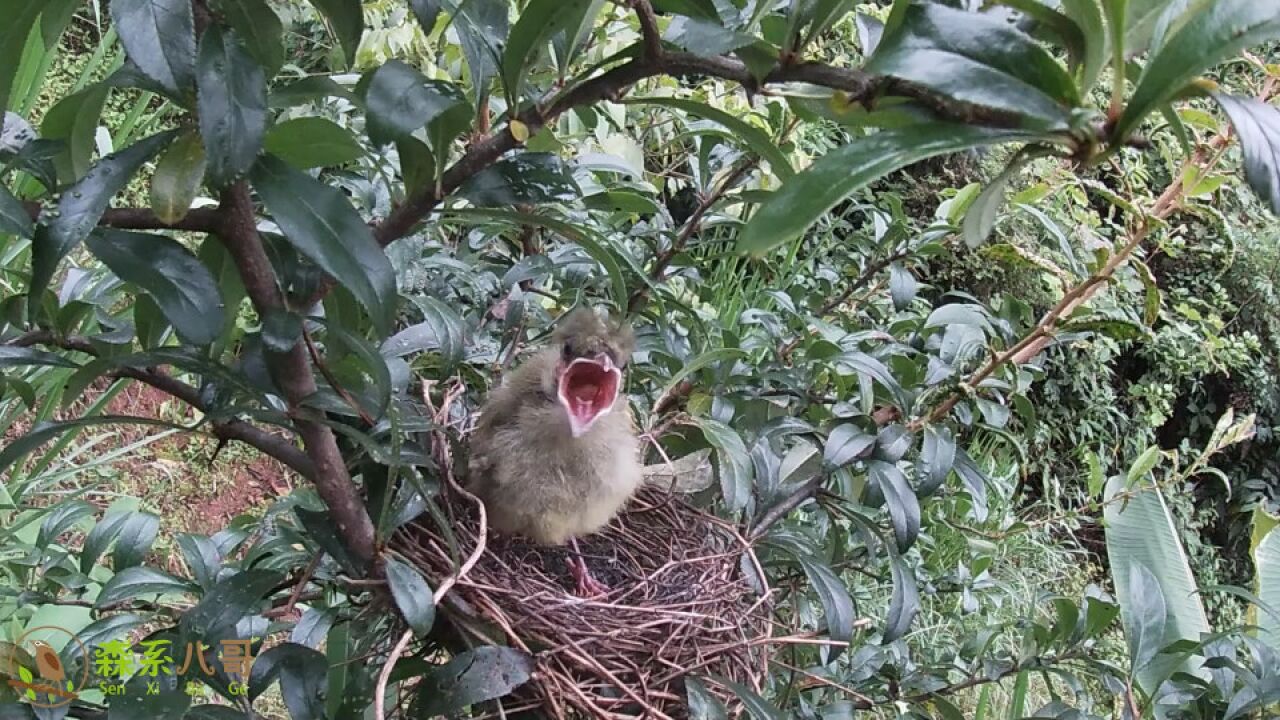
pixel 588 389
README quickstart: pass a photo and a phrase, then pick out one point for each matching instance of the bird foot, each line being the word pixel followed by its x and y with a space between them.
pixel 588 586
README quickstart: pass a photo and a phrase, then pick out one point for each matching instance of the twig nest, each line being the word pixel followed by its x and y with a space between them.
pixel 679 604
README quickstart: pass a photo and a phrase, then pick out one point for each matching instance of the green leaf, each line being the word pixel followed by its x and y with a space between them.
pixel 845 444
pixel 865 365
pixel 82 205
pixel 20 16
pixel 902 286
pixel 788 212
pixel 975 481
pixel 74 120
pixel 171 274
pixel 13 356
pixel 442 329
pixel 347 22
pixel 139 581
pixel 1266 558
pixel 40 434
pixel 232 598
pixel 162 697
pixel 757 707
pixel 937 457
pixel 1088 17
pixel 702 704
pixel 215 712
pixel 472 677
pixel 14 218
pixel 904 601
pixel 1145 463
pixel 177 178
pixel 1257 125
pixel 482 31
pixel 258 25
pixel 303 674
pixel 159 36
pixel 101 536
pixel 412 595
pixel 978 59
pixel 232 96
pixel 752 136
pixel 982 214
pixel 1211 34
pixel 734 462
pixel 1144 607
pixel 538 23
pixel 837 604
pixel 371 362
pixel 61 519
pixel 400 101
pixel 528 178
pixel 426 11
pixel 137 534
pixel 309 89
pixel 310 142
pixel 904 508
pixel 704 37
pixel 1141 531
pixel 202 557
pixel 321 224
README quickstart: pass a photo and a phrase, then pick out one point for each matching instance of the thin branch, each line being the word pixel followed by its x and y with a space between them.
pixel 784 507
pixel 278 447
pixel 649 30
pixel 292 373
pixel 196 220
pixel 867 275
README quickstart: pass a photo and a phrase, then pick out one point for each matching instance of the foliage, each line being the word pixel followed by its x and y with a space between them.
pixel 356 211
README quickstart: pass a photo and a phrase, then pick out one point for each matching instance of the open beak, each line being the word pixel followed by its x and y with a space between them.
pixel 587 390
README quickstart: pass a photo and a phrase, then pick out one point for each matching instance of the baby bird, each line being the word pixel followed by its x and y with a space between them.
pixel 554 455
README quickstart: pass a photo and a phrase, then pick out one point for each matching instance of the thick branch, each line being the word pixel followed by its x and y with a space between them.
pixel 196 220
pixel 276 446
pixel 292 373
pixel 649 29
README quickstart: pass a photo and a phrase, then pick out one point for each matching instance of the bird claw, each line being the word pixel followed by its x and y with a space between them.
pixel 587 586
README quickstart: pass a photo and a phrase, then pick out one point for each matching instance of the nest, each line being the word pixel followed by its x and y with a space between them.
pixel 678 605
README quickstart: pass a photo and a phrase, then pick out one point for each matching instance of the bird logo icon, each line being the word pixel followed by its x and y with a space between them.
pixel 36 671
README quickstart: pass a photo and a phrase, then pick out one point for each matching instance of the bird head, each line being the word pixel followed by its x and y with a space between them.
pixel 588 373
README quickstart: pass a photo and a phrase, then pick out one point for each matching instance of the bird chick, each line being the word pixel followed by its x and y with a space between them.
pixel 554 455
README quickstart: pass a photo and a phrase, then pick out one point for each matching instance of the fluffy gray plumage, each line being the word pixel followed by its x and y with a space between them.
pixel 534 477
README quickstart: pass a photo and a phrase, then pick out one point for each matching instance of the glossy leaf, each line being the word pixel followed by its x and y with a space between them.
pixel 471 677
pixel 202 557
pixel 982 214
pixel 1257 125
pixel 12 356
pixel 400 101
pixel 100 537
pixel 936 458
pixel 702 704
pixel 441 329
pixel 311 142
pixel 539 21
pixel 1214 33
pixel 14 218
pixel 1088 17
pixel 177 178
pixel 137 534
pixel 837 604
pixel 1141 531
pixel 482 31
pixel 135 582
pixel 347 21
pixel 259 27
pixel 232 95
pixel 60 519
pixel 162 697
pixel 1144 610
pixel 20 16
pixel 845 444
pixel 904 508
pixel 303 674
pixel 82 205
pixel 902 286
pixel 74 120
pixel 412 596
pixel 789 211
pixel 704 37
pixel 171 274
pixel 904 602
pixel 426 11
pixel 527 178
pixel 734 464
pixel 321 224
pixel 978 59
pixel 1266 558
pixel 232 598
pixel 757 707
pixel 870 33
pixel 752 136
pixel 159 36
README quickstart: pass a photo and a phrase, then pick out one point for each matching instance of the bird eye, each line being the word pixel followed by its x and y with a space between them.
pixel 566 352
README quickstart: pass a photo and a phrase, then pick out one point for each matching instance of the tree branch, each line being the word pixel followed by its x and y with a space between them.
pixel 278 447
pixel 649 30
pixel 292 373
pixel 196 220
